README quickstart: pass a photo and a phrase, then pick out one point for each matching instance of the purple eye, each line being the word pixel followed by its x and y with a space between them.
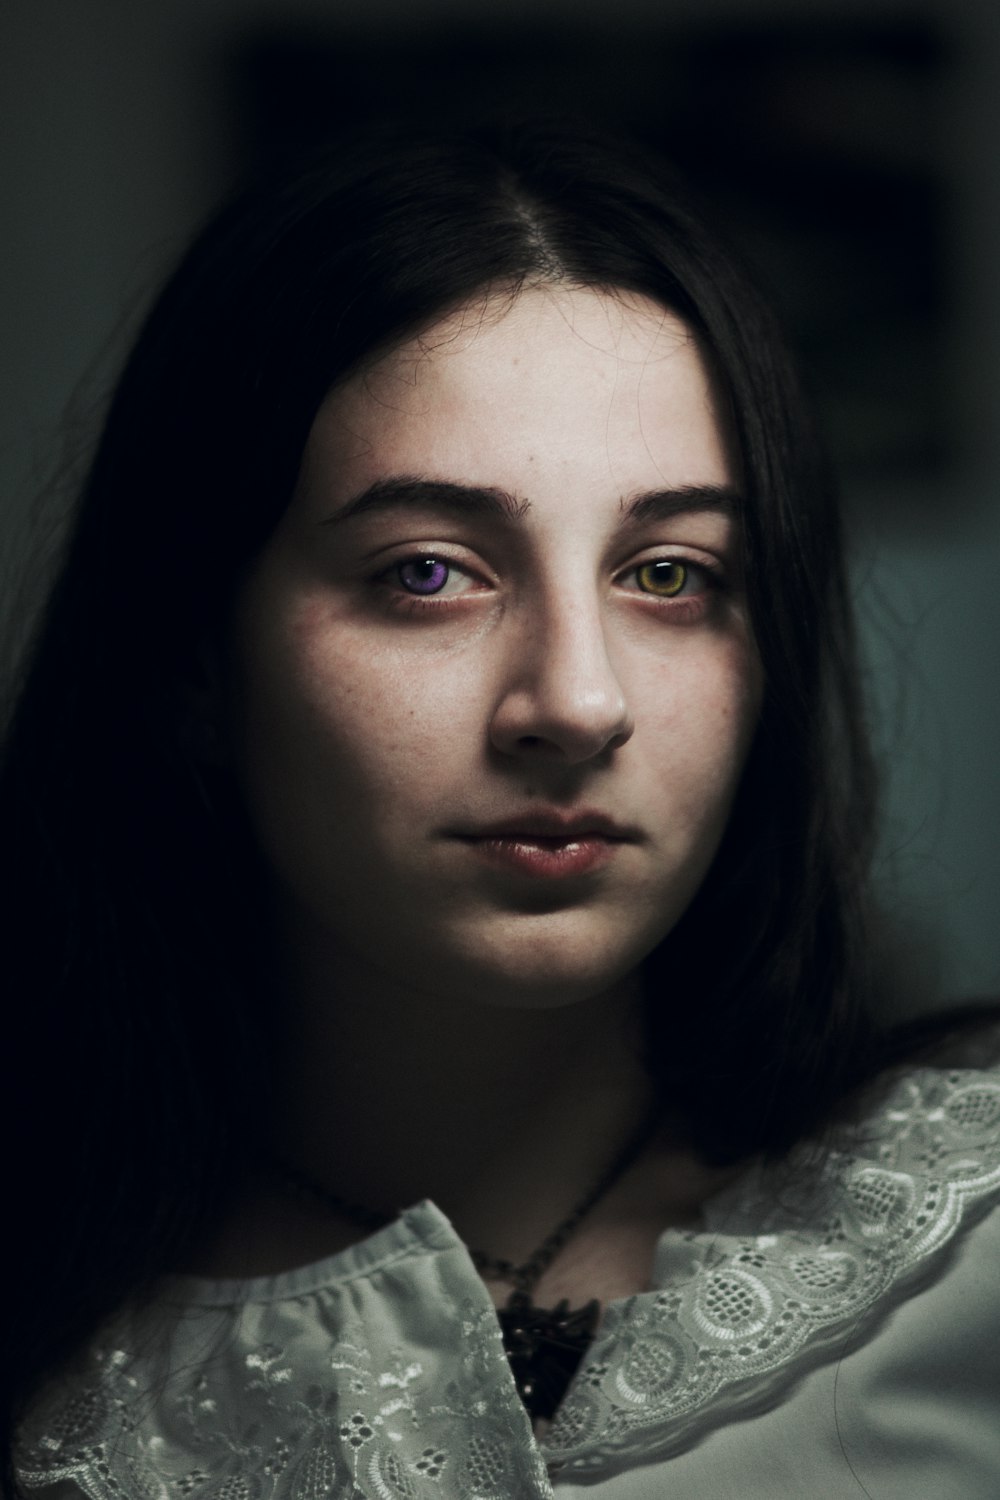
pixel 425 575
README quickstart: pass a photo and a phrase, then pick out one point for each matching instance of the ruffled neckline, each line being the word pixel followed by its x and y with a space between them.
pixel 384 1359
pixel 794 1261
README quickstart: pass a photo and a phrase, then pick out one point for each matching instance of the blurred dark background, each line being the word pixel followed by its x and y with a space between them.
pixel 852 151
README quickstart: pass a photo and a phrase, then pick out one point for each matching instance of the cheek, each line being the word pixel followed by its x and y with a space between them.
pixel 701 728
pixel 335 735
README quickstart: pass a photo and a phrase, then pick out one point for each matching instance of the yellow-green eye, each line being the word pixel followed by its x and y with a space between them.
pixel 664 578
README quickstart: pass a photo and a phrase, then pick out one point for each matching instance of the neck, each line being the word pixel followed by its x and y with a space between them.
pixel 391 1096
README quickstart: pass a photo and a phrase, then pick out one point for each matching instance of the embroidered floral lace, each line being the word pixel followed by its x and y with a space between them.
pixel 380 1371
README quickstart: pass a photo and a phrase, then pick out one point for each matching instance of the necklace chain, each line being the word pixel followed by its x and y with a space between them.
pixel 524 1277
pixel 544 1346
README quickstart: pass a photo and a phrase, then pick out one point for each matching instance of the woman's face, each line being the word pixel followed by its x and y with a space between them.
pixel 493 681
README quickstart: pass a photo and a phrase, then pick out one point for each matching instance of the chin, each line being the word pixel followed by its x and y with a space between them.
pixel 537 972
pixel 538 992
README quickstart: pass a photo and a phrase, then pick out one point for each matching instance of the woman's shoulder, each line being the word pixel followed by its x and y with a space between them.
pixel 933 1108
pixel 839 1262
pixel 379 1371
pixel 964 1035
pixel 913 1159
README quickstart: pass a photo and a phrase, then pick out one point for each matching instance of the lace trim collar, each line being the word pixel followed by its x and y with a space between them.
pixel 791 1264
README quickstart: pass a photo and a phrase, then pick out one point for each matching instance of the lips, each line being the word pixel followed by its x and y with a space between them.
pixel 549 844
pixel 554 824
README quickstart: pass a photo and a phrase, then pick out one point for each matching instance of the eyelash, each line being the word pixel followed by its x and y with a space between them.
pixel 681 607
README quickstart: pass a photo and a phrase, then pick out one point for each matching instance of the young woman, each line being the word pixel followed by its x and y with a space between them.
pixel 435 823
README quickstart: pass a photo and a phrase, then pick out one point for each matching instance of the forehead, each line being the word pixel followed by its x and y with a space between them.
pixel 556 384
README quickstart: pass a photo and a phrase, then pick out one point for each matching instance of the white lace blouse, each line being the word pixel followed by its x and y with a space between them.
pixel 836 1339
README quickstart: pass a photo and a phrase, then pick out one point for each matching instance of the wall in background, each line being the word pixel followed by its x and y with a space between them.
pixel 121 125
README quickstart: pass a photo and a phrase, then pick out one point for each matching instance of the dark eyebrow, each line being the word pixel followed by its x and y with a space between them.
pixel 409 490
pixel 663 505
pixel 432 494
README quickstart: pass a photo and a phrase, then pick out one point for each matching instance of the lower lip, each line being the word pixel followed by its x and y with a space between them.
pixel 545 858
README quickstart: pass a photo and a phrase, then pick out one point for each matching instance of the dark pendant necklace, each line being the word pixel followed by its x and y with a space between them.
pixel 544 1345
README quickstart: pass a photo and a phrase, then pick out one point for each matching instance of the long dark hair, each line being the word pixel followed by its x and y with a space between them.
pixel 137 1020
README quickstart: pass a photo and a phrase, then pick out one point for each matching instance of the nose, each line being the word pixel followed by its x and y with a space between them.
pixel 561 695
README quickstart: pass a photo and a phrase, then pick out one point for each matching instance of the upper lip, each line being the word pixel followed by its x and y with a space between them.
pixel 553 823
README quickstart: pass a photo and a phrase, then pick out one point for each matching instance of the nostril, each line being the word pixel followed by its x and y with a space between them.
pixel 568 708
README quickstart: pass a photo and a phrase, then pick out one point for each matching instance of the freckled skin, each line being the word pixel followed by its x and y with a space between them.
pixel 365 731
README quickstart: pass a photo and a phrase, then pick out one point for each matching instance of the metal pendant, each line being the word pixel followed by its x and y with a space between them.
pixel 545 1347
